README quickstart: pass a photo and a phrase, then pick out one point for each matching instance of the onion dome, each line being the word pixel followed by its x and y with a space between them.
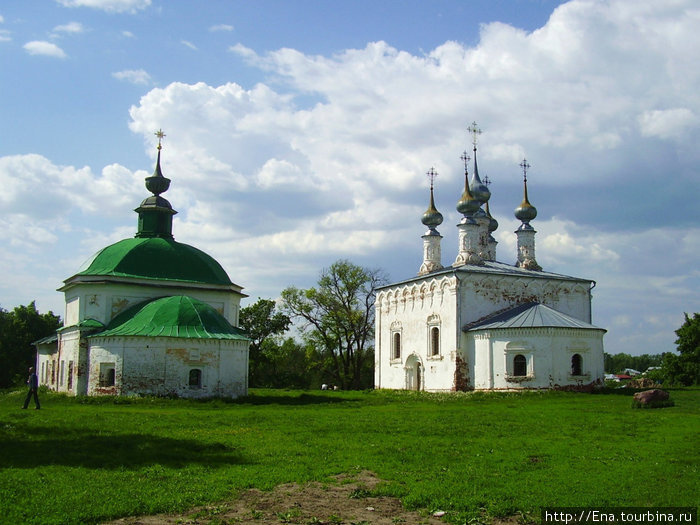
pixel 526 211
pixel 479 190
pixel 493 223
pixel 432 218
pixel 467 205
pixel 155 212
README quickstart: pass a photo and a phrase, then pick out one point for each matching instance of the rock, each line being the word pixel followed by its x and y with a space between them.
pixel 439 513
pixel 649 396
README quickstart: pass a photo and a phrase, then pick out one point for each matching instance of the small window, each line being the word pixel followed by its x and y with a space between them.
pixel 53 372
pixel 519 365
pixel 70 375
pixel 434 341
pixel 107 374
pixel 195 378
pixel 576 369
pixel 396 346
pixel 62 374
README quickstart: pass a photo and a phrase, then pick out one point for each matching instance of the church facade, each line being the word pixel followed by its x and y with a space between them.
pixel 480 324
pixel 148 315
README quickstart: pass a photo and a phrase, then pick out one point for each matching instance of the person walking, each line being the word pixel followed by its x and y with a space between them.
pixel 33 383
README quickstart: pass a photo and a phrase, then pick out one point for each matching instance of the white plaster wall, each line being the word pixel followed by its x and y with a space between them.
pixel 411 309
pixel 161 366
pixel 548 352
pixel 102 301
pixel 484 294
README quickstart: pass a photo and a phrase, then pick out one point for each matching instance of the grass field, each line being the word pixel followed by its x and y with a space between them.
pixel 473 455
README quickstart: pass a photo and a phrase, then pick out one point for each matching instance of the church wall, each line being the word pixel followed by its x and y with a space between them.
pixel 62 367
pixel 484 294
pixel 547 353
pixel 103 301
pixel 164 366
pixel 412 311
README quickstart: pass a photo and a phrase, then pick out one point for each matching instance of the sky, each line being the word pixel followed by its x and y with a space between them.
pixel 300 132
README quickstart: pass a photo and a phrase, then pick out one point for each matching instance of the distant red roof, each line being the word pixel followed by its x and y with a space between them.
pixel 623 376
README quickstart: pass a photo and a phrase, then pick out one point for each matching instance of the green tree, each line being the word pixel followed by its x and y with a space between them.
pixel 18 330
pixel 338 316
pixel 261 322
pixel 684 368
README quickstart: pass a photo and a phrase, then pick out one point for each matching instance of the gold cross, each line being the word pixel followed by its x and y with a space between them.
pixel 160 136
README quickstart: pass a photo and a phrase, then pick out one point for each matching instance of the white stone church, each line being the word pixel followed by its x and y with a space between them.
pixel 148 315
pixel 480 324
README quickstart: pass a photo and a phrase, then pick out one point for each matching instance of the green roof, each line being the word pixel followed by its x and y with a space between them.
pixel 174 316
pixel 156 258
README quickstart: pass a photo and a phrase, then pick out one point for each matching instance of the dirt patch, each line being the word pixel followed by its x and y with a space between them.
pixel 348 501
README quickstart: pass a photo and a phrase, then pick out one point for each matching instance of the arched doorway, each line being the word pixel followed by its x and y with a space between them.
pixel 414 373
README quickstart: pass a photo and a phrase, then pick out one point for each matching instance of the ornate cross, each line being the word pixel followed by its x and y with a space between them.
pixel 475 131
pixel 465 158
pixel 525 166
pixel 431 175
pixel 160 136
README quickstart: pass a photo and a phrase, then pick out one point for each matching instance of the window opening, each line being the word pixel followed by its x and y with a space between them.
pixel 70 375
pixel 107 374
pixel 576 365
pixel 434 341
pixel 195 378
pixel 397 346
pixel 519 365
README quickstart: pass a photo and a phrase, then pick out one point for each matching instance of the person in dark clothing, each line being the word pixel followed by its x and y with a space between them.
pixel 33 383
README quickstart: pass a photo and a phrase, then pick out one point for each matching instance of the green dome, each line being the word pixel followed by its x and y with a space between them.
pixel 175 316
pixel 156 258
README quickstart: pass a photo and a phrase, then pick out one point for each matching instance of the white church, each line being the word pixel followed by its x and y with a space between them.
pixel 148 315
pixel 481 324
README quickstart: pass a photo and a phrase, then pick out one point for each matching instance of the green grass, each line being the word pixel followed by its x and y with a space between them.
pixel 92 459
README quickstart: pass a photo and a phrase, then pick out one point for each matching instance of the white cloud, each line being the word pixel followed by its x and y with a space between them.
pixel 110 6
pixel 134 76
pixel 39 47
pixel 666 124
pixel 221 27
pixel 5 35
pixel 70 28
pixel 128 34
pixel 188 44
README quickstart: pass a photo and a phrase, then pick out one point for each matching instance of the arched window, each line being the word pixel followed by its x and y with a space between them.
pixel 576 365
pixel 434 341
pixel 195 378
pixel 396 346
pixel 519 365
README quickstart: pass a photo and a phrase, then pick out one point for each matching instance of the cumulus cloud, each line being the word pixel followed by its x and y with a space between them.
pixel 134 76
pixel 110 6
pixel 43 48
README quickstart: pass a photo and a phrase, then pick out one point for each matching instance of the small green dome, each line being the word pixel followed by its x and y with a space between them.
pixel 174 316
pixel 156 258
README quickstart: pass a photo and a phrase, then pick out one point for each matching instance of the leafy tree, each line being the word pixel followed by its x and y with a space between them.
pixel 261 322
pixel 18 330
pixel 338 316
pixel 684 368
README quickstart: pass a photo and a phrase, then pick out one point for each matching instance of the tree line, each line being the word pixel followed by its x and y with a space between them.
pixel 19 328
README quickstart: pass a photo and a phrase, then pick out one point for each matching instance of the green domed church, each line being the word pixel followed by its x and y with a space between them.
pixel 149 316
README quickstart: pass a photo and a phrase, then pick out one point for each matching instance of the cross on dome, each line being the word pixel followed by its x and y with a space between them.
pixel 160 136
pixel 431 173
pixel 475 131
pixel 525 166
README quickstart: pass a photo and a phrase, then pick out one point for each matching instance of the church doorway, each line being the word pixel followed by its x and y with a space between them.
pixel 414 373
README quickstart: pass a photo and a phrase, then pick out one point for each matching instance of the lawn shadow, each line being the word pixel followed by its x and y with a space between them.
pixel 109 451
pixel 288 399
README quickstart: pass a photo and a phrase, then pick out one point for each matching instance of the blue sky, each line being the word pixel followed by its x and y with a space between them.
pixel 299 132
